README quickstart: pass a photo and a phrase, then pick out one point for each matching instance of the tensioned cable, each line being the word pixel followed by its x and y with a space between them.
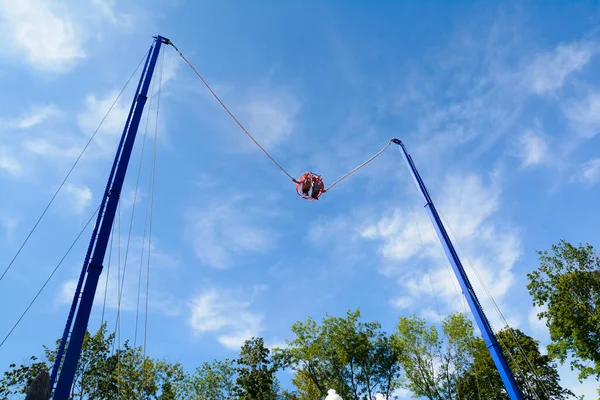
pixel 151 219
pixel 256 142
pixel 50 277
pixel 359 167
pixel 496 307
pixel 120 289
pixel 137 309
pixel 458 295
pixel 463 306
pixel 232 116
pixel 71 170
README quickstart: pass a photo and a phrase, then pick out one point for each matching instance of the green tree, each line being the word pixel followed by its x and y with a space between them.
pixel 567 285
pixel 353 357
pixel 213 381
pixel 103 374
pixel 534 373
pixel 17 379
pixel 305 354
pixel 432 365
pixel 255 372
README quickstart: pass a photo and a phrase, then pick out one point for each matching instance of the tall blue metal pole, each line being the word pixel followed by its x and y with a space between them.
pixel 68 325
pixel 484 325
pixel 107 215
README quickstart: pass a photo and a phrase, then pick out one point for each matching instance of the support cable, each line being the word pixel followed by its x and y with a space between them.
pixel 496 307
pixel 153 175
pixel 458 295
pixel 122 284
pixel 145 218
pixel 50 277
pixel 231 114
pixel 256 142
pixel 71 170
pixel 359 167
pixel 464 308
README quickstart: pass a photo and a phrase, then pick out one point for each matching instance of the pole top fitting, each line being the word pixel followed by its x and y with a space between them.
pixel 397 141
pixel 163 40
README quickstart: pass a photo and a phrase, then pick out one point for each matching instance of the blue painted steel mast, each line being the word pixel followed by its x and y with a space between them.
pixel 484 325
pixel 99 242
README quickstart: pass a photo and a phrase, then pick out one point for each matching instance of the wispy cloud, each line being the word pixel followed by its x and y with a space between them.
pixel 128 278
pixel 269 113
pixel 532 149
pixel 107 10
pixel 224 313
pixel 79 197
pixel 549 70
pixel 220 231
pixel 584 115
pixel 37 115
pixel 589 172
pixel 9 163
pixel 46 148
pixel 9 224
pixel 467 205
pixel 271 116
pixel 95 109
pixel 539 325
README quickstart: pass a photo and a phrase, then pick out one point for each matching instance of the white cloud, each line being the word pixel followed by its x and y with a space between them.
pixel 589 172
pixel 9 224
pixel 221 230
pixel 584 115
pixel 79 197
pixel 106 10
pixel 50 36
pixel 402 302
pixel 466 205
pixel 9 163
pixel 533 149
pixel 45 148
pixel 535 323
pixel 44 32
pixel 161 262
pixel 549 70
pixel 171 65
pixel 95 109
pixel 37 115
pixel 271 118
pixel 219 312
pixel 268 113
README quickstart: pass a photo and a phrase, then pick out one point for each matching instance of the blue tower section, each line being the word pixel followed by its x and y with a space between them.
pixel 482 322
pixel 99 242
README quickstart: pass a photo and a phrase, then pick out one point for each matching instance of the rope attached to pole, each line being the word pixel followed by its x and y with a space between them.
pixel 359 167
pixel 309 179
pixel 231 114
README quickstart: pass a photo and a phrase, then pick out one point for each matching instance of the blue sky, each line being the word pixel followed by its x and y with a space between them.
pixel 497 103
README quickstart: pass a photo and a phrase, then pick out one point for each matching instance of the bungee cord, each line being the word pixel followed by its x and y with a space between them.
pixel 309 179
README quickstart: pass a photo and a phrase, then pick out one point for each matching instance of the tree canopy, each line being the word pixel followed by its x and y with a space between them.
pixel 359 360
pixel 566 286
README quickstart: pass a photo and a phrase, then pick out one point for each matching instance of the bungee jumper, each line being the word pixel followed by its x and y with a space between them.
pixel 309 181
